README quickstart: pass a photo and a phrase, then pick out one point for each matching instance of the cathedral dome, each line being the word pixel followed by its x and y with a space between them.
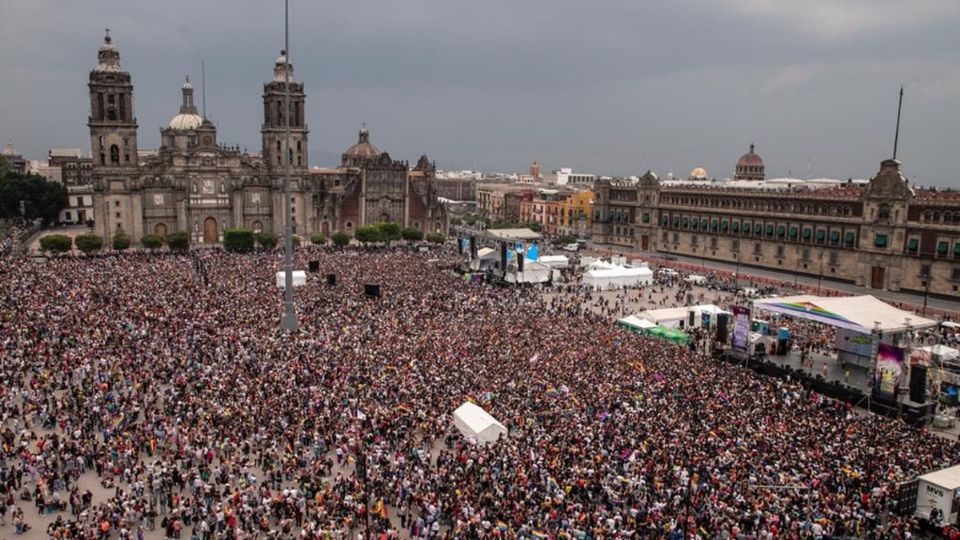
pixel 363 148
pixel 9 151
pixel 698 173
pixel 750 159
pixel 108 56
pixel 184 121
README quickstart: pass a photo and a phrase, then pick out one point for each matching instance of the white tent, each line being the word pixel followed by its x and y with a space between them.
pixel 299 279
pixel 533 272
pixel 947 354
pixel 636 322
pixel 696 279
pixel 618 278
pixel 865 314
pixel 476 424
pixel 554 261
pixel 671 317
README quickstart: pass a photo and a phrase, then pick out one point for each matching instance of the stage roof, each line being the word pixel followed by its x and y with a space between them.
pixel 513 234
pixel 865 314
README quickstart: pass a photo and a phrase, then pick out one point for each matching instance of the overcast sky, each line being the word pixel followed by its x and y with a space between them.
pixel 608 87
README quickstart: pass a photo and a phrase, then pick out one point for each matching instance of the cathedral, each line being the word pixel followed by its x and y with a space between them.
pixel 195 184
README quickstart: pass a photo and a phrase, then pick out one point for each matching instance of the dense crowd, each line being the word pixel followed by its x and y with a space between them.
pixel 152 395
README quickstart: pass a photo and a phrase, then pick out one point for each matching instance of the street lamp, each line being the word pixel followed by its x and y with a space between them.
pixel 288 322
pixel 820 279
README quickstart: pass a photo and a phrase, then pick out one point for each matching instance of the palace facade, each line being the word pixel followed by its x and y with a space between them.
pixel 194 183
pixel 883 235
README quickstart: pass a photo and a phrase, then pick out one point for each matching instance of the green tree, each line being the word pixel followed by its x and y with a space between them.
pixel 267 240
pixel 318 240
pixel 178 241
pixel 121 241
pixel 88 243
pixel 56 243
pixel 470 219
pixel 295 241
pixel 152 241
pixel 41 198
pixel 389 231
pixel 534 226
pixel 340 238
pixel 411 234
pixel 564 240
pixel 237 240
pixel 436 238
pixel 456 221
pixel 367 234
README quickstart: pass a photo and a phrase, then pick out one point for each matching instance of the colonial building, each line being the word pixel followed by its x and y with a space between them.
pixel 196 184
pixel 884 235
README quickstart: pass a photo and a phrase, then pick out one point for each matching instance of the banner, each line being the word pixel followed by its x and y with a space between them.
pixel 741 328
pixel 854 342
pixel 890 370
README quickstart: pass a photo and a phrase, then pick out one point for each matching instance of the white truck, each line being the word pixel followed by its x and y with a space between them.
pixel 938 496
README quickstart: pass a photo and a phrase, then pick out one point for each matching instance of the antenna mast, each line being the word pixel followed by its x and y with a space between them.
pixel 203 88
pixel 896 135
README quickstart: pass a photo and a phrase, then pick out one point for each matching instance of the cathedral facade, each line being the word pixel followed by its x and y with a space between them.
pixel 195 184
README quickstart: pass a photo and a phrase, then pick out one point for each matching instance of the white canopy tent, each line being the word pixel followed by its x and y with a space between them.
pixel 618 278
pixel 636 322
pixel 476 424
pixel 671 317
pixel 865 314
pixel 299 279
pixel 554 261
pixel 533 272
pixel 946 354
pixel 696 279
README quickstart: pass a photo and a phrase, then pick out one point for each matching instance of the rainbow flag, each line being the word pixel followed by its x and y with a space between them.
pixel 539 535
pixel 502 527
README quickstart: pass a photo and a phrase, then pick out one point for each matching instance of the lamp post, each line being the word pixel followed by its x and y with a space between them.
pixel 288 322
pixel 820 279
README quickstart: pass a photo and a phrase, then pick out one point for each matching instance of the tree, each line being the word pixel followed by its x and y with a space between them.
pixel 534 226
pixel 267 240
pixel 56 243
pixel 456 221
pixel 42 199
pixel 295 241
pixel 411 234
pixel 178 241
pixel 340 238
pixel 319 240
pixel 564 240
pixel 238 240
pixel 470 219
pixel 121 241
pixel 389 231
pixel 436 238
pixel 88 243
pixel 152 241
pixel 368 234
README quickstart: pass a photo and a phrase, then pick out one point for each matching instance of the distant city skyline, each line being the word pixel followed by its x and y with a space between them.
pixel 614 88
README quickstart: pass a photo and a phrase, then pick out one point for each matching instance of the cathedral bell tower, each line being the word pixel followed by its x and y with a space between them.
pixel 274 138
pixel 113 128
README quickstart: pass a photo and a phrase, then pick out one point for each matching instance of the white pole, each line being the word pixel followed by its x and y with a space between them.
pixel 289 321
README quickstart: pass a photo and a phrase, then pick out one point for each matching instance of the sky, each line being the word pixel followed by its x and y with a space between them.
pixel 610 87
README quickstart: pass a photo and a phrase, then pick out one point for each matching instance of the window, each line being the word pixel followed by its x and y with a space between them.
pixel 821 236
pixel 646 217
pixel 780 251
pixel 757 228
pixel 942 248
pixel 713 242
pixel 781 231
pixel 694 240
pixel 757 247
pixel 114 154
pixel 880 241
pixel 807 233
pixel 955 274
pixel 769 230
pixel 924 270
pixel 676 237
pixel 735 226
pixel 833 257
pixel 834 237
pixel 794 232
pixel 714 225
pixel 849 238
pixel 806 254
pixel 956 250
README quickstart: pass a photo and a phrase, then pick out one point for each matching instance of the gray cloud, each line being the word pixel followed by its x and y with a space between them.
pixel 612 87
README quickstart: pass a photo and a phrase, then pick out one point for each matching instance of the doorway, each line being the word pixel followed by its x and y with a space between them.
pixel 210 231
pixel 645 243
pixel 160 229
pixel 877 275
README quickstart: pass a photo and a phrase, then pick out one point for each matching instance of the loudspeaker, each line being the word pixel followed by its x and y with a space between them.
pixel 722 321
pixel 473 247
pixel 503 257
pixel 781 347
pixel 314 266
pixel 691 318
pixel 520 258
pixel 459 246
pixel 371 290
pixel 918 384
pixel 331 279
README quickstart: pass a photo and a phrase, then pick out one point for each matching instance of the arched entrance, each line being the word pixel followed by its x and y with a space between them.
pixel 257 227
pixel 210 231
pixel 325 228
pixel 160 229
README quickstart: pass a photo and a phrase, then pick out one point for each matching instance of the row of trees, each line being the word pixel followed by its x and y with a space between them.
pixel 237 240
pixel 30 196
pixel 91 243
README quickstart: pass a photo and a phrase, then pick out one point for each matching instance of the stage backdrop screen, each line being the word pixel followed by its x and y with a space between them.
pixel 890 370
pixel 854 342
pixel 741 328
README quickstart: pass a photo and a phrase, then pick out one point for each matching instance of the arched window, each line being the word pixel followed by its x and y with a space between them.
pixel 114 154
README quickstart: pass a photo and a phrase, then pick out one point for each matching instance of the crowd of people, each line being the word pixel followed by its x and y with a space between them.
pixel 153 396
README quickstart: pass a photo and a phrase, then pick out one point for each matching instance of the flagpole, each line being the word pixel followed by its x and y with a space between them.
pixel 289 321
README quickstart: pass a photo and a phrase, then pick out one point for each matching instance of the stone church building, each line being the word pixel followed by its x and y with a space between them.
pixel 196 184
